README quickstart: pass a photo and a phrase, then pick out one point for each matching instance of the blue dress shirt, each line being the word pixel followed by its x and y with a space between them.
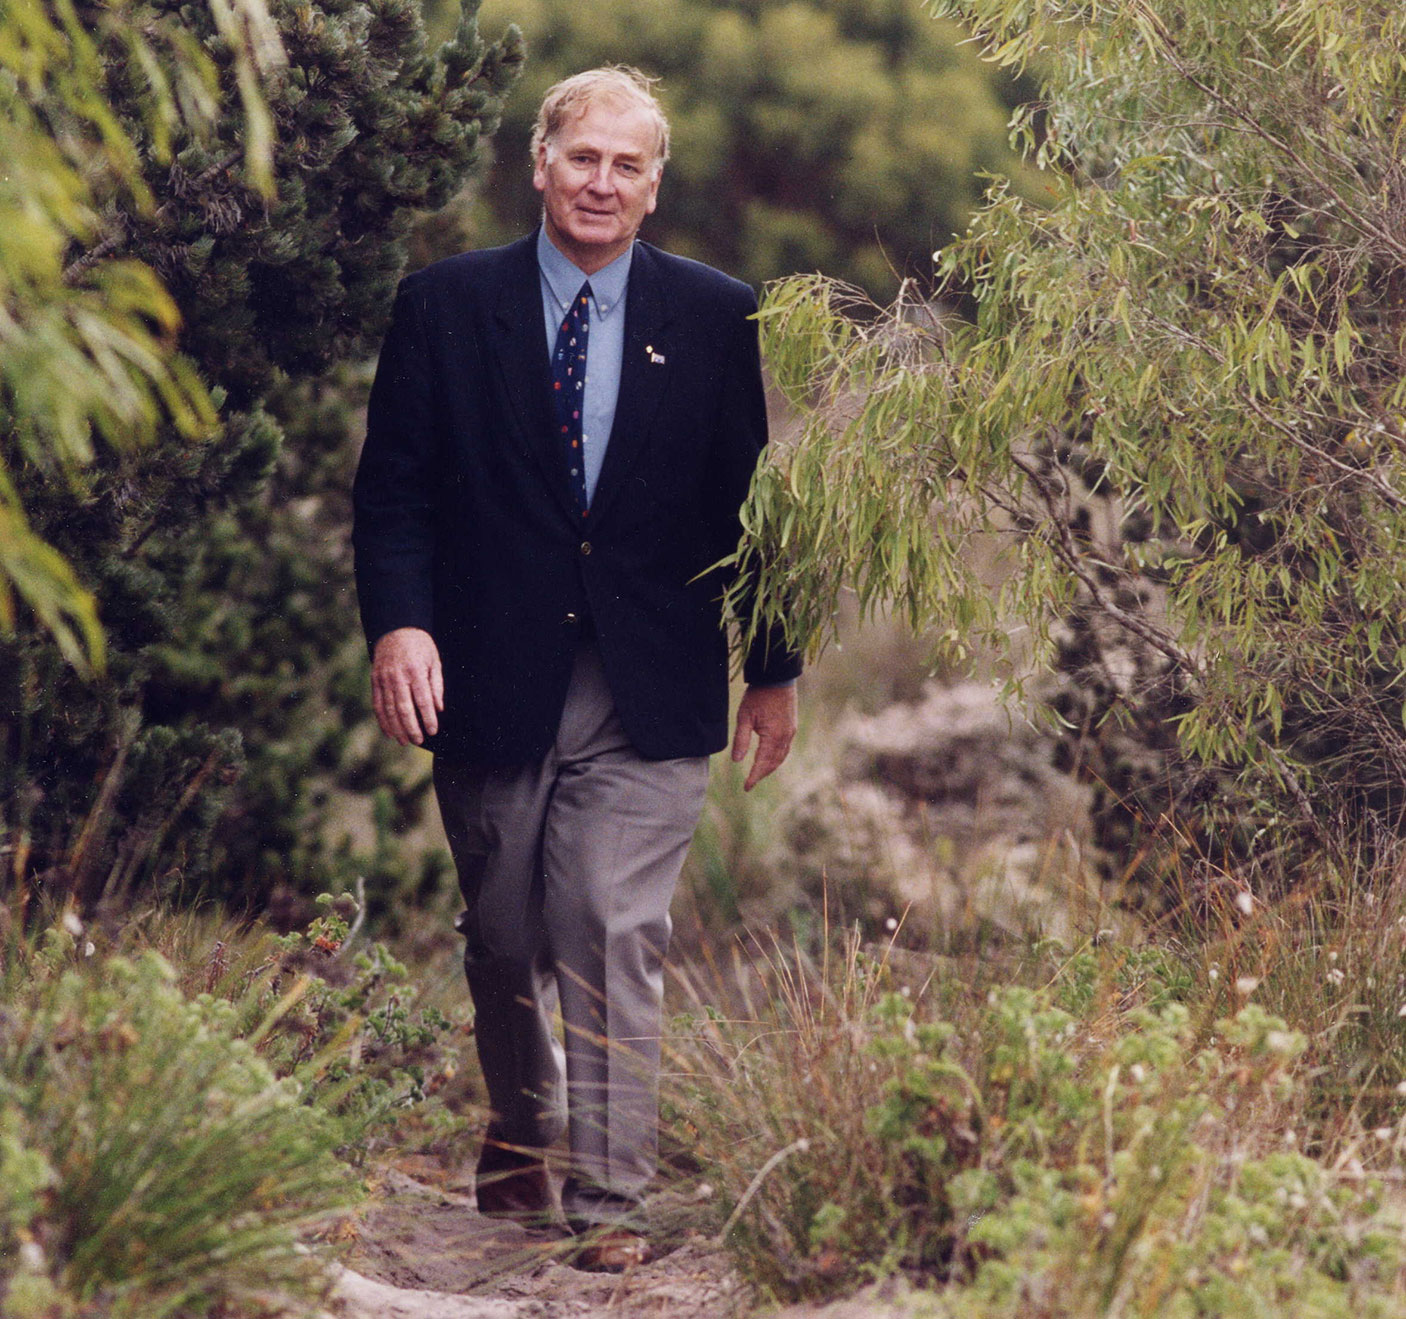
pixel 561 282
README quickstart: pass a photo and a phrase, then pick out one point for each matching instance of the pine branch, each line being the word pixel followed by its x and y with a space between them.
pixel 115 241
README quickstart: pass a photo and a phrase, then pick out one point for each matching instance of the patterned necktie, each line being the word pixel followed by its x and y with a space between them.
pixel 569 388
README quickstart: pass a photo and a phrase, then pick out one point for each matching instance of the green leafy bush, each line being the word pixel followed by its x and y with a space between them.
pixel 354 1034
pixel 223 751
pixel 1177 403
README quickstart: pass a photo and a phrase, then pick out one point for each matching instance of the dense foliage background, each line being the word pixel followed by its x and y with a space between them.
pixel 849 136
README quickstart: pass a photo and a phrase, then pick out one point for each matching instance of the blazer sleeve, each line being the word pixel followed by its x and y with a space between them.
pixel 393 494
pixel 769 660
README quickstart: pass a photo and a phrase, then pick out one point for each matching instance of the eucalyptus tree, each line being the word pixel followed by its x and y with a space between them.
pixel 1178 405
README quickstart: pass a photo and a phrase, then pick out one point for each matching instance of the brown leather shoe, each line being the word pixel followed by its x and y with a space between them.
pixel 613 1250
pixel 509 1183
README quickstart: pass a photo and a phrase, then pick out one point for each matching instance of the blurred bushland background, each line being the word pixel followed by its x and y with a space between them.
pixel 1063 969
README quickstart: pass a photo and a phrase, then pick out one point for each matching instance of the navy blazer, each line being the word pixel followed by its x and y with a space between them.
pixel 466 526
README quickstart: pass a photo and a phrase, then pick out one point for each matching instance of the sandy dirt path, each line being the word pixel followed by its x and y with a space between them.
pixel 422 1251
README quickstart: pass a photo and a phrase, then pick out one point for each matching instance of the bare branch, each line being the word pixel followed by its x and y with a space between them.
pixel 1075 562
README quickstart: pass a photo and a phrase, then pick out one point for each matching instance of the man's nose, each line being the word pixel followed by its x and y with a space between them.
pixel 601 178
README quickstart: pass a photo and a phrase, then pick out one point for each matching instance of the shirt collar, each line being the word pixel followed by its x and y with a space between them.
pixel 564 278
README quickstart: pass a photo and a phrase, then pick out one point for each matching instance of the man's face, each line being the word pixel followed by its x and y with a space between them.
pixel 598 181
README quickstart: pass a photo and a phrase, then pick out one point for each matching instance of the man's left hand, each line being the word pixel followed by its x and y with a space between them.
pixel 770 712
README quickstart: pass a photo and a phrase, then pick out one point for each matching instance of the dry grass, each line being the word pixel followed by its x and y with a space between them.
pixel 1199 1126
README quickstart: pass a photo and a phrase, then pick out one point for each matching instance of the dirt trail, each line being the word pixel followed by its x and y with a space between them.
pixel 422 1251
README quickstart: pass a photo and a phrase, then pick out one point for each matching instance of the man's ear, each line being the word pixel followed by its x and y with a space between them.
pixel 539 168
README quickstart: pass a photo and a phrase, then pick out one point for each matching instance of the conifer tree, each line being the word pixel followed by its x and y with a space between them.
pixel 218 562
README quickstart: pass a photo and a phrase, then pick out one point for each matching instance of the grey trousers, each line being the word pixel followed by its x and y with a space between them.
pixel 567 869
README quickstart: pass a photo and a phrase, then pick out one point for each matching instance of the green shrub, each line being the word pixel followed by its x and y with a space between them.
pixel 829 1120
pixel 174 1127
pixel 156 1160
pixel 354 1037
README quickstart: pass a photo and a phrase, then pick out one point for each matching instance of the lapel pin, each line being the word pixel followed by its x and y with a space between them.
pixel 656 359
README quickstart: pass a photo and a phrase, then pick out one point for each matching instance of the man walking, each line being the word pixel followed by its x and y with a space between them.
pixel 560 435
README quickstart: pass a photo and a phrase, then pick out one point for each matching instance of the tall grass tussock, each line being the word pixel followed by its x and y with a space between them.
pixel 181 1109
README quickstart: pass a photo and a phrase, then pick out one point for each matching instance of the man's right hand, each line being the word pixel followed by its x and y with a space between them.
pixel 407 685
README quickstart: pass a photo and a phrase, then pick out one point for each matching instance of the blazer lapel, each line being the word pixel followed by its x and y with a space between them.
pixel 644 373
pixel 521 347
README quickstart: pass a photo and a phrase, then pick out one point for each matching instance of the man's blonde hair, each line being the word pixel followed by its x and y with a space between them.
pixel 615 82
